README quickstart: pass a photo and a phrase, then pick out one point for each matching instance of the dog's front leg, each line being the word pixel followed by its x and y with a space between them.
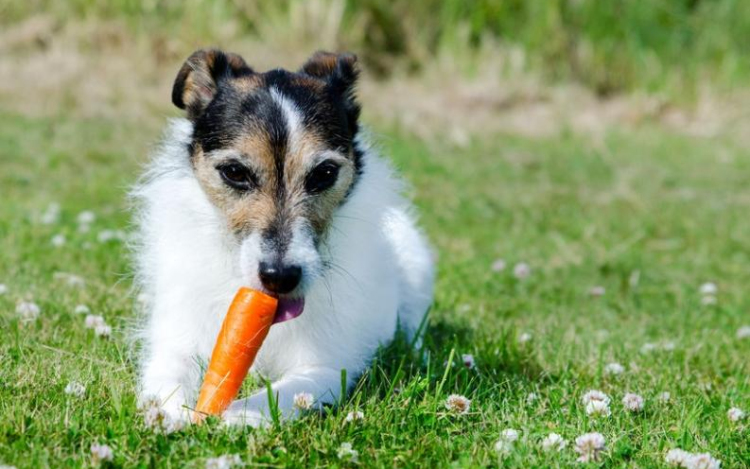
pixel 324 384
pixel 166 377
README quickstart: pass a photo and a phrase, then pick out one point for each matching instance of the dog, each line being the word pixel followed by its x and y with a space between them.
pixel 269 182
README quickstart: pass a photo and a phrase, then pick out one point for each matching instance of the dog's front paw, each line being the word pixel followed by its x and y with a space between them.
pixel 240 414
pixel 164 417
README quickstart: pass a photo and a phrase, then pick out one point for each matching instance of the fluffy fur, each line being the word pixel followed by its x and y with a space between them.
pixel 375 273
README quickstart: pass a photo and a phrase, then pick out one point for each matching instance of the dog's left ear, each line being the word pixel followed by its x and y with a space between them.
pixel 340 71
pixel 198 80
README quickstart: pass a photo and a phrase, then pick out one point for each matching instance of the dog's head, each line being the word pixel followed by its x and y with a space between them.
pixel 275 153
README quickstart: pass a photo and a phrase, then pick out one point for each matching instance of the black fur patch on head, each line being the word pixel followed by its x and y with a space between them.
pixel 226 99
pixel 197 81
pixel 340 73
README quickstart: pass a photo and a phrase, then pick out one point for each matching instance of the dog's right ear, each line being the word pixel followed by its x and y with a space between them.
pixel 198 80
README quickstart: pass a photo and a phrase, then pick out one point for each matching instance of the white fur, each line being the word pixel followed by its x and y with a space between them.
pixel 375 271
pixel 293 118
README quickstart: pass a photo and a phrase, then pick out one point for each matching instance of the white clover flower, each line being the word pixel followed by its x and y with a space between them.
pixel 614 369
pixel 510 435
pixel 589 446
pixel 51 215
pixel 708 300
pixel 597 291
pixel 155 418
pixel 648 347
pixel 531 398
pixel 86 217
pixel 597 403
pixel 71 279
pixel 354 416
pixel 677 457
pixel 521 270
pixel 709 288
pixel 7 466
pixel 103 330
pixel 743 332
pixel 598 409
pixel 633 402
pixel 105 236
pixel 81 309
pixel 554 442
pixel 225 461
pixel 468 361
pixel 92 321
pixel 735 414
pixel 594 395
pixel 507 440
pixel 75 281
pixel 457 404
pixel 524 337
pixel 76 389
pixel 503 447
pixel 58 240
pixel 702 461
pixel 101 453
pixel 303 401
pixel 499 265
pixel 664 397
pixel 3 289
pixel 705 386
pixel 347 453
pixel 98 324
pixel 668 346
pixel 28 310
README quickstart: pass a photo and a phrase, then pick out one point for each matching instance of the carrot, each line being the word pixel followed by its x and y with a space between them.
pixel 244 329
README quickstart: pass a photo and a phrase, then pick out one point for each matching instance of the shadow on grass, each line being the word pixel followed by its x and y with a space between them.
pixel 437 365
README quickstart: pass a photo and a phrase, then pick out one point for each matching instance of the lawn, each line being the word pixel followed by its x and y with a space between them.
pixel 648 215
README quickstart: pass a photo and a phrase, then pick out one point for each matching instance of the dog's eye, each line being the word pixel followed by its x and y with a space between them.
pixel 322 177
pixel 237 176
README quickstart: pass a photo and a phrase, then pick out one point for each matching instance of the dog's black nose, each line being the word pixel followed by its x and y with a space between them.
pixel 279 278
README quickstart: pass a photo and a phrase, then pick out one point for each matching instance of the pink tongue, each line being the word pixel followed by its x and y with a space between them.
pixel 288 308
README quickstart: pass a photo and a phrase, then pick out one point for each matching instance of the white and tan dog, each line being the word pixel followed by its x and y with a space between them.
pixel 268 183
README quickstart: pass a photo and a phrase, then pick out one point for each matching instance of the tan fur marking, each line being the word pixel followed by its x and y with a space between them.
pixel 321 64
pixel 248 83
pixel 256 210
pixel 313 84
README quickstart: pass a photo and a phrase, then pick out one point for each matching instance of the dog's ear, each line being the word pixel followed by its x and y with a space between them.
pixel 198 79
pixel 340 71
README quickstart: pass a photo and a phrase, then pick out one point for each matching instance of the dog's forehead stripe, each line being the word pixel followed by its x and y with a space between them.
pixel 282 123
pixel 294 120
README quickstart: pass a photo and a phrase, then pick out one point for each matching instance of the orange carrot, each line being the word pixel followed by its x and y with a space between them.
pixel 244 329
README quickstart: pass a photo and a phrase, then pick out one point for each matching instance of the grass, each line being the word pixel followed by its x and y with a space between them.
pixel 647 214
pixel 670 46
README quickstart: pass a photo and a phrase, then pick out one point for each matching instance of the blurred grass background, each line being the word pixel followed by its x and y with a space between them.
pixel 608 46
pixel 603 142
